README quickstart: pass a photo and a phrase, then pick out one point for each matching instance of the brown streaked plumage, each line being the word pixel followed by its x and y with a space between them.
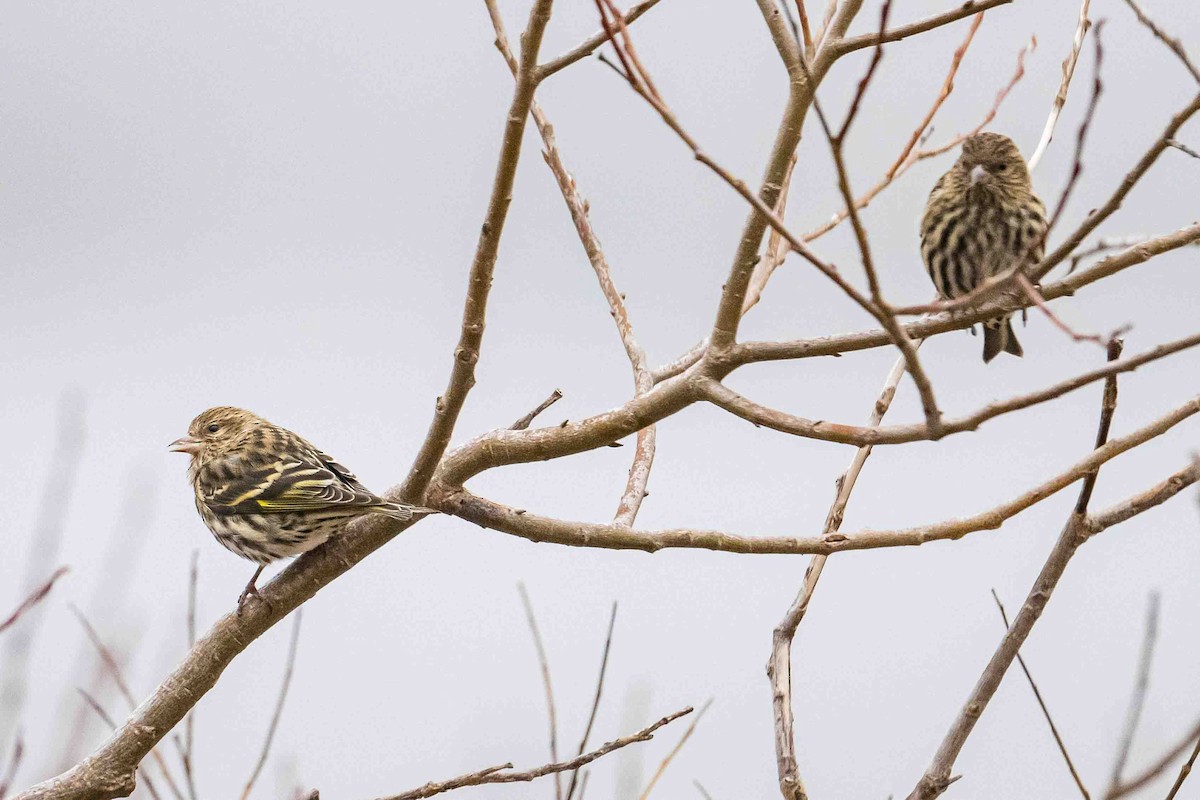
pixel 981 218
pixel 266 493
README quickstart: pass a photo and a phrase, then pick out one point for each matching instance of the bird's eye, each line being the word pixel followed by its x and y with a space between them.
pixel 213 427
pixel 1001 167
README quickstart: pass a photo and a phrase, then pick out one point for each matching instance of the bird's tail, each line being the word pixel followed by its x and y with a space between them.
pixel 403 511
pixel 998 335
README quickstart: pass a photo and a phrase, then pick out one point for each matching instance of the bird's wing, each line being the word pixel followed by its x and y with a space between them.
pixel 298 482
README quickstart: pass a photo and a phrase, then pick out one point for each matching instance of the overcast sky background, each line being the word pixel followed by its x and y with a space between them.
pixel 274 206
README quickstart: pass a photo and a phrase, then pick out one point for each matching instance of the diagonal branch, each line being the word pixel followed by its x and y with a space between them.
pixel 483 265
pixel 1140 688
pixel 643 459
pixel 1173 44
pixel 1060 98
pixel 517 522
pixel 1037 693
pixel 968 8
pixel 779 665
pixel 1074 533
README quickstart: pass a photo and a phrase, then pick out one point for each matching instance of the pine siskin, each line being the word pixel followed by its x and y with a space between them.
pixel 267 494
pixel 981 217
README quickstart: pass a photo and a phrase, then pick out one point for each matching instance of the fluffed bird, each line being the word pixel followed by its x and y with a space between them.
pixel 266 493
pixel 981 219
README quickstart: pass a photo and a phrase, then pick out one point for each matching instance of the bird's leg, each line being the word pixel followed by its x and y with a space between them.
pixel 250 589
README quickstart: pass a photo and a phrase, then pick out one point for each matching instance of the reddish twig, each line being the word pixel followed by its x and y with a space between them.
pixel 1037 693
pixel 32 600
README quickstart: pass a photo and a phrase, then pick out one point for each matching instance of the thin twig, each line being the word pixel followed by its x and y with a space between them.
pixel 1173 44
pixel 1140 689
pixel 643 459
pixel 937 777
pixel 14 763
pixel 285 684
pixel 32 600
pixel 1183 148
pixel 908 156
pixel 189 722
pixel 1184 772
pixel 1060 98
pixel 525 421
pixel 1157 768
pixel 544 664
pixel 587 731
pixel 114 669
pixel 483 265
pixel 779 665
pixel 662 767
pixel 852 43
pixel 1037 693
pixel 700 786
pixel 498 774
pixel 589 46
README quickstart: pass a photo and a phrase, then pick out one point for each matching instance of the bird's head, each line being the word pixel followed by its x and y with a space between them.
pixel 991 161
pixel 215 431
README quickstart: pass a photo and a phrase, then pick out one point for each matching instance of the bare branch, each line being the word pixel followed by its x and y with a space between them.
pixel 720 395
pixel 937 776
pixel 32 600
pixel 283 693
pixel 754 352
pixel 544 664
pixel 779 665
pixel 1037 693
pixel 490 514
pixel 498 773
pixel 643 460
pixel 483 265
pixel 1173 44
pixel 1060 98
pixel 904 31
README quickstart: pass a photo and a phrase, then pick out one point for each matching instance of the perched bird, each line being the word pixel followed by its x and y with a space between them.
pixel 267 494
pixel 981 219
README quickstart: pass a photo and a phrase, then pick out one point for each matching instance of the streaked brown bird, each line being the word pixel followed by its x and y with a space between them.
pixel 266 493
pixel 981 219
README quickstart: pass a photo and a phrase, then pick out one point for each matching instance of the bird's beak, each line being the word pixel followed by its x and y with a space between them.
pixel 187 445
pixel 978 173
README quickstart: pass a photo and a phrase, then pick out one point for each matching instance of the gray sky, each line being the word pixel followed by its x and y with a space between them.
pixel 274 206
